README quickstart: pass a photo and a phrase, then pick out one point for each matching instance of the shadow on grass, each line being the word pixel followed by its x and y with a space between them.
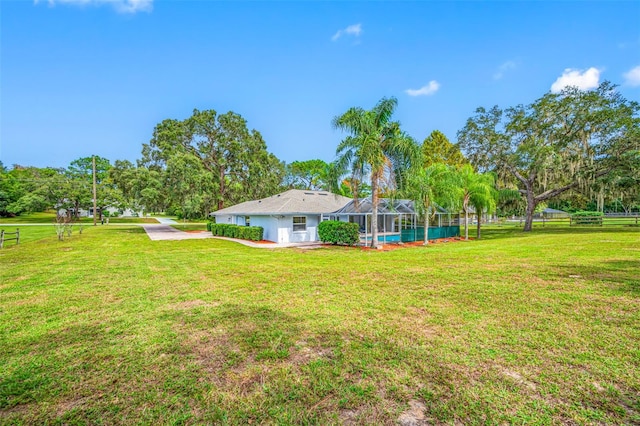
pixel 305 373
pixel 624 272
pixel 507 231
pixel 123 229
pixel 51 355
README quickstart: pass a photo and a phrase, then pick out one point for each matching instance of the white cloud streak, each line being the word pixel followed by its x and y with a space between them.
pixel 427 90
pixel 352 30
pixel 583 80
pixel 121 6
pixel 504 68
pixel 632 77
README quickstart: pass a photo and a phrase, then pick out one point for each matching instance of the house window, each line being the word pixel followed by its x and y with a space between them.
pixel 247 221
pixel 299 223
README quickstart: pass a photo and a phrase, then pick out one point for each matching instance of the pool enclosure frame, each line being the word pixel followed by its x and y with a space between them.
pixel 397 221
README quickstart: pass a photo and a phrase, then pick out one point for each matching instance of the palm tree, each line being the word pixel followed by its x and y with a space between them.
pixel 429 187
pixel 477 190
pixel 374 143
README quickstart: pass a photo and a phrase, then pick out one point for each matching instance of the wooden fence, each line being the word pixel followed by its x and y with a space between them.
pixel 3 237
pixel 619 220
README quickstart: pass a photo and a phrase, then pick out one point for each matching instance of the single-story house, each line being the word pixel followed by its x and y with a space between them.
pixel 289 217
pixel 294 215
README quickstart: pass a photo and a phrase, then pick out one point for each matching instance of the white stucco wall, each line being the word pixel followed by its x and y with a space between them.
pixel 224 219
pixel 278 229
pixel 269 225
pixel 287 235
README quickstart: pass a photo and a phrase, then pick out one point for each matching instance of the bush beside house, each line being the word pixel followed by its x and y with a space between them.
pixel 336 232
pixel 253 233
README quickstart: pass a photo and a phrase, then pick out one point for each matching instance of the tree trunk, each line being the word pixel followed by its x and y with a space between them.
pixel 374 210
pixel 478 234
pixel 531 207
pixel 222 189
pixel 466 224
pixel 426 227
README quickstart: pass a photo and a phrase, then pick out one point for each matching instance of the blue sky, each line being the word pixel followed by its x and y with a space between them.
pixel 83 77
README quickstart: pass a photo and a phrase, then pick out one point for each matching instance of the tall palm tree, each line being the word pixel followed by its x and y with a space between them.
pixel 429 187
pixel 477 190
pixel 374 142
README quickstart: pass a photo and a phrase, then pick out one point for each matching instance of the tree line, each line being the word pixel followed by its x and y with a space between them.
pixel 571 150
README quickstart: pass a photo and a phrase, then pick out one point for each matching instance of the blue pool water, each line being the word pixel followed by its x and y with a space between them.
pixel 389 238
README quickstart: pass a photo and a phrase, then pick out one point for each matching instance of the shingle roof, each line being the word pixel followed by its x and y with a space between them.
pixel 289 202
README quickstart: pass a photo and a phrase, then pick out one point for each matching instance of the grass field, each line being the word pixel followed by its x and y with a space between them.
pixel 109 327
pixel 50 217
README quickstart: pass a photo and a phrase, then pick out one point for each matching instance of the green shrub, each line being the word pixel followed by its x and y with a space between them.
pixel 253 233
pixel 587 214
pixel 587 218
pixel 336 232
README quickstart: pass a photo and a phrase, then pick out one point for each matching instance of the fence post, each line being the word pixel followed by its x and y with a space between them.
pixel 1 238
pixel 17 236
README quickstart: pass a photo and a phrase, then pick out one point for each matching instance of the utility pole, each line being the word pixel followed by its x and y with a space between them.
pixel 95 201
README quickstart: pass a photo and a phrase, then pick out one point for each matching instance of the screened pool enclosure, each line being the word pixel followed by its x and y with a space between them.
pixel 397 221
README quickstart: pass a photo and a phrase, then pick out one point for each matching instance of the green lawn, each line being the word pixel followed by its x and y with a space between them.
pixel 109 327
pixel 39 217
pixel 31 233
pixel 50 217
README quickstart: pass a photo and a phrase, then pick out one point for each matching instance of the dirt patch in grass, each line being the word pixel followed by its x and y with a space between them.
pixel 415 415
pixel 519 379
pixel 303 353
pixel 65 406
pixel 191 304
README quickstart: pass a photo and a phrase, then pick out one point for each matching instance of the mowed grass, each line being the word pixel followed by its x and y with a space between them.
pixel 109 327
pixel 50 217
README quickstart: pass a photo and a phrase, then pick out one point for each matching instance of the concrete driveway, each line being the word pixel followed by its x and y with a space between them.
pixel 160 232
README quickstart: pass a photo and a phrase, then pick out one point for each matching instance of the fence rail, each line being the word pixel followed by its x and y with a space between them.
pixel 576 221
pixel 3 237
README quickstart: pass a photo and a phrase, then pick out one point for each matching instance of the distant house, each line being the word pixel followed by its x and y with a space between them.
pixel 549 213
pixel 289 217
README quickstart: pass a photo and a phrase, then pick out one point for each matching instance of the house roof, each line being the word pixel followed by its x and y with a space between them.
pixel 553 211
pixel 385 206
pixel 293 201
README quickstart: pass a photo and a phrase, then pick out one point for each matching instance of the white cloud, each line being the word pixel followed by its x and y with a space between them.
pixel 502 69
pixel 427 90
pixel 352 30
pixel 632 77
pixel 121 6
pixel 583 80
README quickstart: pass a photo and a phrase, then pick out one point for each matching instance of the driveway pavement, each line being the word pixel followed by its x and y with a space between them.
pixel 159 232
pixel 165 220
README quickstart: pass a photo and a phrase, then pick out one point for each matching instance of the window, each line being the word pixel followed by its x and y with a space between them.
pixel 247 221
pixel 299 223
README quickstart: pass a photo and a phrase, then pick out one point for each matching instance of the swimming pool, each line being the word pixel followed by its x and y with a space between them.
pixel 390 238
